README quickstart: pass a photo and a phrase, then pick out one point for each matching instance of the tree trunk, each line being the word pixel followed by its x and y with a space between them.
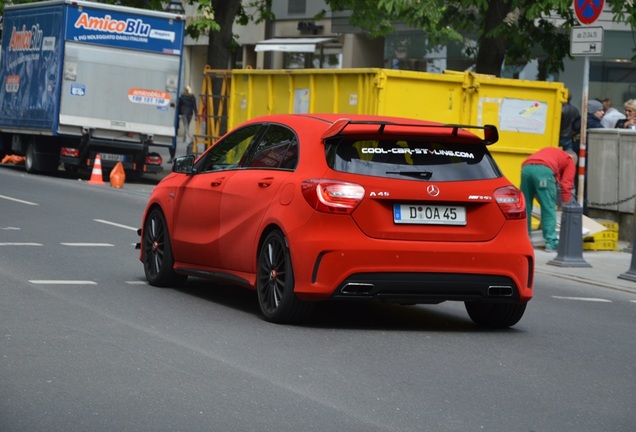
pixel 492 49
pixel 220 50
pixel 220 46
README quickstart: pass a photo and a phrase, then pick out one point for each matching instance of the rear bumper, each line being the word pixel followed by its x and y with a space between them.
pixel 353 266
pixel 152 169
pixel 107 164
pixel 428 287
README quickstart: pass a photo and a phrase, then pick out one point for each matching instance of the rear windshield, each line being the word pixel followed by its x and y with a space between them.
pixel 412 159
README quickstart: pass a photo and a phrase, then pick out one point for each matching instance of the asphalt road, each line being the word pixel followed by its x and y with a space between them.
pixel 86 345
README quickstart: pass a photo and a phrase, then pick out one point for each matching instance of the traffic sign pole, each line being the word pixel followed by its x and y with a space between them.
pixel 587 12
pixel 583 139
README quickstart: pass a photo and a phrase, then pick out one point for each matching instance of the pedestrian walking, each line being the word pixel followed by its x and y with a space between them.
pixel 542 173
pixel 187 109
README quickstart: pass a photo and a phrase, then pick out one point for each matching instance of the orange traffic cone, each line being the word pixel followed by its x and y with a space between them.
pixel 96 175
pixel 118 176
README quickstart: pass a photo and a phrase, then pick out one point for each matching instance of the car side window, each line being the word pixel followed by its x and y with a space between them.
pixel 277 147
pixel 230 151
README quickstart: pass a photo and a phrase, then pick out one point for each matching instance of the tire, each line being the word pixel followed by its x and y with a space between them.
pixel 275 282
pixel 30 163
pixel 5 145
pixel 495 315
pixel 157 253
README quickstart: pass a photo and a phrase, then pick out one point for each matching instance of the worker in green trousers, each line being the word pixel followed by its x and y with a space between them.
pixel 541 172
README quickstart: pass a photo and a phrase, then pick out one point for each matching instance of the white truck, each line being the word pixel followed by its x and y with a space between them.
pixel 79 78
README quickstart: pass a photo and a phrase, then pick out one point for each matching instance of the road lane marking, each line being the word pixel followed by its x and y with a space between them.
pixel 136 282
pixel 20 244
pixel 115 224
pixel 589 299
pixel 62 282
pixel 88 244
pixel 18 200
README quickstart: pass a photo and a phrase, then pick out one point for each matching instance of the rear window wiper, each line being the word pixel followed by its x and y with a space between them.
pixel 426 175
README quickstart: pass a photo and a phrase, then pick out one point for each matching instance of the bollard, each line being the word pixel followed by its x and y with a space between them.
pixel 570 251
pixel 631 273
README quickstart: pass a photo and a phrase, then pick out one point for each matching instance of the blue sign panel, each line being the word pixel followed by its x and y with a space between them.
pixel 123 30
pixel 29 77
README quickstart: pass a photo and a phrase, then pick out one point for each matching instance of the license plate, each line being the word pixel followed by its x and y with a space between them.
pixel 429 214
pixel 111 157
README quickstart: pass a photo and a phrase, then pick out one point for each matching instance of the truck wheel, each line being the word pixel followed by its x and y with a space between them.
pixel 5 145
pixel 30 163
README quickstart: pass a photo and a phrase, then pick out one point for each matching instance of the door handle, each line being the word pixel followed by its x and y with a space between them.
pixel 217 181
pixel 266 182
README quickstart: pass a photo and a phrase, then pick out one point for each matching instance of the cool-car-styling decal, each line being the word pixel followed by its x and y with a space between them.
pixel 417 151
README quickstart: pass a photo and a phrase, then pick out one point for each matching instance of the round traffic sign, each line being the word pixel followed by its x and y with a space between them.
pixel 588 11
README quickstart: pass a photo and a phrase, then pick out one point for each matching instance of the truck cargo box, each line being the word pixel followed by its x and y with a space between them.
pixel 92 77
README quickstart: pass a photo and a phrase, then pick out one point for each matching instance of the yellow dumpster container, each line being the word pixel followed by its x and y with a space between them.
pixel 527 113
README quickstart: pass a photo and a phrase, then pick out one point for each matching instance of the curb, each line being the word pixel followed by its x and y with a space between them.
pixel 588 281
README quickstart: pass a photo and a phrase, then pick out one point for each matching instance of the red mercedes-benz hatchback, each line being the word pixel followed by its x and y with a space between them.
pixel 306 207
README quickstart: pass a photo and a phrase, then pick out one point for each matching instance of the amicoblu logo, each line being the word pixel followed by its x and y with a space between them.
pixel 26 40
pixel 132 27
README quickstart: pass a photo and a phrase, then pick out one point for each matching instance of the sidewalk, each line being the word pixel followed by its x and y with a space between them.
pixel 605 268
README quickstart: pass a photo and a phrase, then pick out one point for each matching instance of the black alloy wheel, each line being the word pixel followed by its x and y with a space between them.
pixel 157 252
pixel 275 282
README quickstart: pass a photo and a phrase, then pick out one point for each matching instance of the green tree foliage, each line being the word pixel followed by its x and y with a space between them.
pixel 504 29
pixel 513 31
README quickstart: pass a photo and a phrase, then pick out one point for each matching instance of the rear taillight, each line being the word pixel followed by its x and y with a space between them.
pixel 154 159
pixel 69 152
pixel 511 202
pixel 332 196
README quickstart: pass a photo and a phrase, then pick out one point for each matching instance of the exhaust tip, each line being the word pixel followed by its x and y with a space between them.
pixel 500 291
pixel 355 288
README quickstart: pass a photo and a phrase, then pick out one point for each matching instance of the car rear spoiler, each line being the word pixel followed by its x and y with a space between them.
pixel 491 135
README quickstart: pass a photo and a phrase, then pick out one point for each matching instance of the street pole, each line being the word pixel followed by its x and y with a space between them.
pixel 583 147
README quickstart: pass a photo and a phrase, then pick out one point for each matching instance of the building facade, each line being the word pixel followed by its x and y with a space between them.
pixel 296 39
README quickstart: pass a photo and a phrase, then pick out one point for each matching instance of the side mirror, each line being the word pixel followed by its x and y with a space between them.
pixel 183 164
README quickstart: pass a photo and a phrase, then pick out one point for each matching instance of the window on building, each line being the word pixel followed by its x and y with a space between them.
pixel 293 60
pixel 296 7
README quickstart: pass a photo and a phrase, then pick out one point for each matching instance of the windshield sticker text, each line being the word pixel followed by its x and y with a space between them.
pixel 418 151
